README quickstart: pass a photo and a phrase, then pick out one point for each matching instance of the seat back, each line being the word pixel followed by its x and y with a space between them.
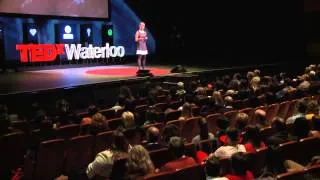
pixel 50 157
pixel 292 108
pixel 292 175
pixel 257 161
pixel 114 123
pixel 231 115
pixel 119 169
pixel 272 111
pixel 13 148
pixel 283 109
pixel 313 172
pixel 190 128
pixel 225 166
pixel 286 150
pixel 212 122
pixel 308 148
pixel 102 142
pixel 167 175
pixel 266 132
pixel 160 157
pixel 111 113
pixel 188 173
pixel 173 115
pixel 68 131
pixel 79 152
pixel 175 104
pixel 161 106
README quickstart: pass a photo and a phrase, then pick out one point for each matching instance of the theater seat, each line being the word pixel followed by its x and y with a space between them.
pixel 313 172
pixel 102 142
pixel 212 122
pixel 188 173
pixel 68 131
pixel 173 115
pixel 160 157
pixel 283 109
pixel 114 123
pixel 50 158
pixel 190 128
pixel 13 147
pixel 79 152
pixel 292 175
pixel 159 176
pixel 257 161
pixel 272 111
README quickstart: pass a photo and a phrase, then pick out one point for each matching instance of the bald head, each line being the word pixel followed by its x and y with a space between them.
pixel 153 134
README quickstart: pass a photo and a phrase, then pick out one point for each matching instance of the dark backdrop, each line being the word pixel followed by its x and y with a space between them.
pixel 225 32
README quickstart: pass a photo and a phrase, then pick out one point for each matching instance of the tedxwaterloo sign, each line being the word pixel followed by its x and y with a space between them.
pixel 49 52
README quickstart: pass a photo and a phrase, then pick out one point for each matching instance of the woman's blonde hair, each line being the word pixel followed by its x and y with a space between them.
pixel 128 119
pixel 139 161
pixel 186 110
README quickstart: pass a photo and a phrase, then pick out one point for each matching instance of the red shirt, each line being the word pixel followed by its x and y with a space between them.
pixel 201 156
pixel 248 176
pixel 183 162
pixel 250 148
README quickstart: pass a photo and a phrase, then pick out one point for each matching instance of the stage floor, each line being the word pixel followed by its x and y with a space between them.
pixel 36 80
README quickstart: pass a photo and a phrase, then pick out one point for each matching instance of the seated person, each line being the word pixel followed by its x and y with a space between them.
pixel 242 119
pixel 102 164
pixel 139 163
pixel 212 169
pixel 300 129
pixel 152 142
pixel 239 168
pixel 253 139
pixel 280 133
pixel 261 120
pixel 231 147
pixel 176 147
pixel 223 124
pixel 98 124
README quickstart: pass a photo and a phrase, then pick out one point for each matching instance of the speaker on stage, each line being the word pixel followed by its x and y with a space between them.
pixel 178 69
pixel 144 73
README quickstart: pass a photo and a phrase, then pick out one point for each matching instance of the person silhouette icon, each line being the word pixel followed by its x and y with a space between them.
pixel 68 30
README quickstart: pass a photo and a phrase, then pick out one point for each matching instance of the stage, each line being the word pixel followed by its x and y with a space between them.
pixel 39 80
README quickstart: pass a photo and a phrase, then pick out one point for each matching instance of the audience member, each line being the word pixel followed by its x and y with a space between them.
pixel 176 147
pixel 253 139
pixel 102 164
pixel 212 169
pixel 153 136
pixel 232 146
pixel 240 169
pixel 301 110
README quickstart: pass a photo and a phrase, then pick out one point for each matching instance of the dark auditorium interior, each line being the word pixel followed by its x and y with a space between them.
pixel 230 90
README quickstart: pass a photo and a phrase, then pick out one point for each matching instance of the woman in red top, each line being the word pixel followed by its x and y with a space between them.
pixel 253 139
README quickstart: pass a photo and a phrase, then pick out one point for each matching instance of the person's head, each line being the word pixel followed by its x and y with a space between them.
pixel 63 106
pixel 92 110
pixel 239 163
pixel 300 128
pixel 228 100
pixel 153 134
pixel 203 126
pixel 142 26
pixel 278 124
pixel 242 120
pixel 253 135
pixel 125 91
pixel 233 136
pixel 223 122
pixel 128 120
pixel 186 110
pixel 212 167
pixel 256 72
pixel 217 97
pixel 119 142
pixel 316 122
pixel 255 82
pixel 312 107
pixel 98 117
pixel 176 147
pixel 170 131
pixel 250 75
pixel 302 106
pixel 139 161
pixel 151 115
pixel 261 117
pixel 40 116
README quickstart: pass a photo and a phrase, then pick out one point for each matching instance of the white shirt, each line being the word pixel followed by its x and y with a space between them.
pixel 227 151
pixel 102 165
